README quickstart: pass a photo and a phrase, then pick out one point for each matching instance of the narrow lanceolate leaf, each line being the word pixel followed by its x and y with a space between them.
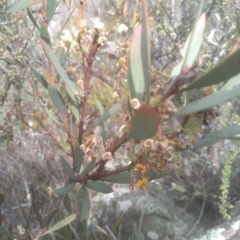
pixel 207 102
pixel 195 42
pixel 55 61
pixel 88 168
pixel 21 4
pixel 217 136
pixel 61 224
pixel 231 83
pixel 50 9
pixel 222 72
pixel 144 123
pixel 32 18
pixel 78 159
pixel 67 169
pixel 137 82
pixel 107 114
pixel 99 187
pixel 40 78
pixel 123 177
pixel 65 189
pixel 56 98
pixel 45 35
pixel 84 204
pixel 75 112
pixel 145 48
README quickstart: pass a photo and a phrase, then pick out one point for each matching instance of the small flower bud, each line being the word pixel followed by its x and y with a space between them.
pixel 107 156
pixel 135 104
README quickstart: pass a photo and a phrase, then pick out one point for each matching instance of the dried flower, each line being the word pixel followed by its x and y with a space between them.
pixel 135 104
pixel 107 156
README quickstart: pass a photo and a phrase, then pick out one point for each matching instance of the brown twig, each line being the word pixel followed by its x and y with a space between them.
pixel 89 59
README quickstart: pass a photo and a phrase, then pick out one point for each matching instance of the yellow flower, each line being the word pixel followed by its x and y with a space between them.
pixel 140 184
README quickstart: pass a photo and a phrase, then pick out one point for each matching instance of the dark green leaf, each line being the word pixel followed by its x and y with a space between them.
pixel 56 98
pixel 207 102
pixel 21 5
pixel 32 18
pixel 45 35
pixel 88 168
pixel 123 177
pixel 40 78
pixel 84 204
pixel 38 215
pixel 99 187
pixel 155 174
pixel 222 72
pixel 50 9
pixel 61 224
pixel 144 123
pixel 78 158
pixel 217 136
pixel 67 168
pixel 65 189
pixel 6 233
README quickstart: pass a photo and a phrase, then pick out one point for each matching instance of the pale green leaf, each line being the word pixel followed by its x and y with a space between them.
pixel 21 4
pixel 83 204
pixel 65 189
pixel 61 224
pixel 50 9
pixel 99 187
pixel 78 158
pixel 45 35
pixel 217 136
pixel 208 102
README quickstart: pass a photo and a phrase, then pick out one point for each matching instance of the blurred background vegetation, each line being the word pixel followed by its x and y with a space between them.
pixel 32 141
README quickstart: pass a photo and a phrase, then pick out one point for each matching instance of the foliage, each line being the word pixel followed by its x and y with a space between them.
pixel 81 91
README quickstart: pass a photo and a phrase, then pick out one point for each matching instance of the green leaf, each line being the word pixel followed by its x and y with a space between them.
pixel 61 224
pixel 231 83
pixel 75 112
pixel 217 136
pixel 78 158
pixel 99 187
pixel 50 9
pixel 144 123
pixel 32 18
pixel 67 168
pixel 63 56
pixel 99 106
pixel 84 204
pixel 208 102
pixel 21 5
pixel 54 60
pixel 155 174
pixel 45 35
pixel 107 114
pixel 136 79
pixel 40 78
pixel 145 48
pixel 6 233
pixel 123 177
pixel 52 117
pixel 195 41
pixel 65 189
pixel 222 72
pixel 56 98
pixel 88 168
